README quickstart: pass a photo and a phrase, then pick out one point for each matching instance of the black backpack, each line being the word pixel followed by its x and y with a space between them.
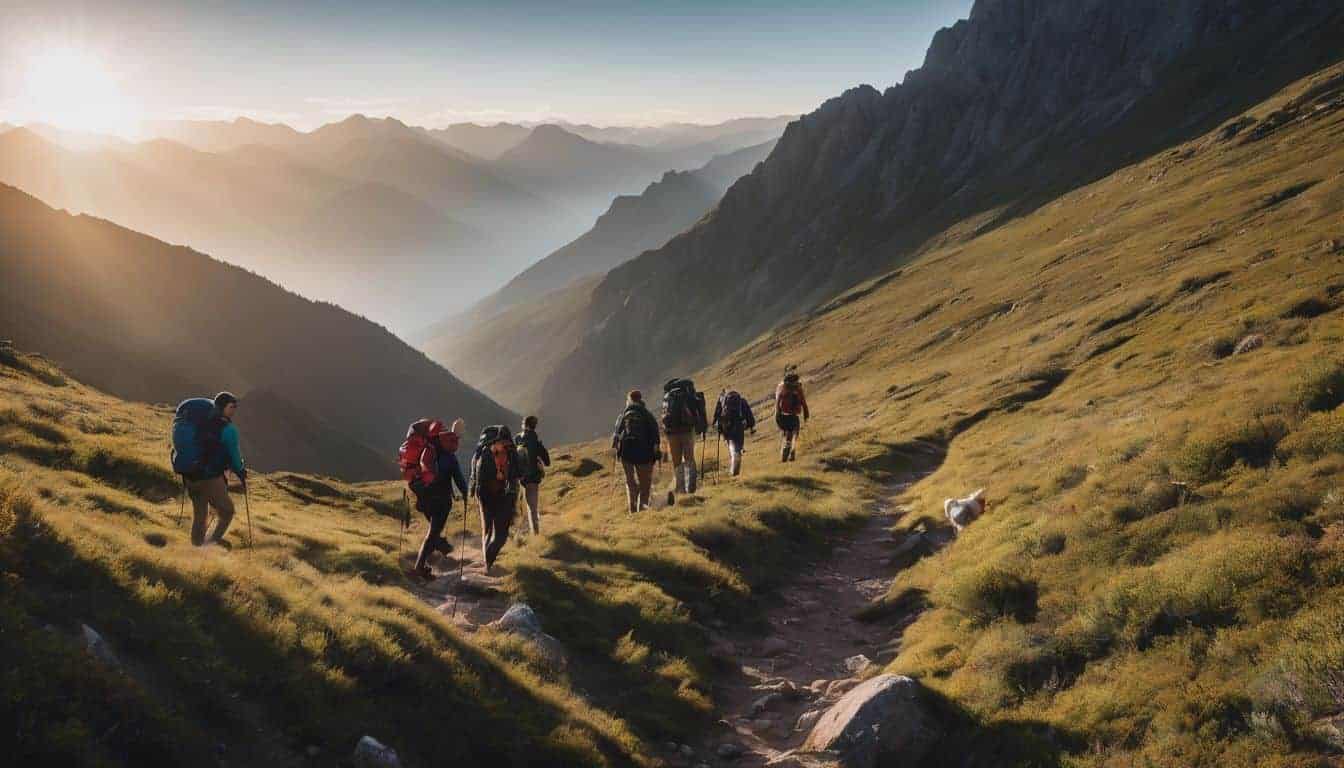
pixel 683 407
pixel 494 463
pixel 730 411
pixel 634 443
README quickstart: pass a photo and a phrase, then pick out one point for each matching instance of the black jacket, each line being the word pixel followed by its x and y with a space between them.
pixel 536 450
pixel 633 450
pixel 748 420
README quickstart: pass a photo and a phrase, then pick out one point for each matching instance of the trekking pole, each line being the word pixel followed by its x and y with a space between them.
pixel 461 557
pixel 403 524
pixel 182 505
pixel 612 492
pixel 717 464
pixel 703 437
pixel 247 507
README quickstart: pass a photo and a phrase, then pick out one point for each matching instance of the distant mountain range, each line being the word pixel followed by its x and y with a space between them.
pixel 322 390
pixel 537 316
pixel 391 221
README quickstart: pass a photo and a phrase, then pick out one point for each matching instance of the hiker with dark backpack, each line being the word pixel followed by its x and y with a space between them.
pixel 495 475
pixel 428 461
pixel 636 441
pixel 684 417
pixel 532 456
pixel 790 403
pixel 732 419
pixel 205 446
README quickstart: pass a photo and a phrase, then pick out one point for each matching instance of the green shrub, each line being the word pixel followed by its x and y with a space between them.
pixel 1321 388
pixel 1253 443
pixel 992 592
pixel 1319 434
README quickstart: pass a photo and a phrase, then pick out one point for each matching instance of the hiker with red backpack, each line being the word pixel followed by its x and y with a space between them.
pixel 790 403
pixel 495 476
pixel 428 460
pixel 684 418
pixel 732 419
pixel 636 443
pixel 205 446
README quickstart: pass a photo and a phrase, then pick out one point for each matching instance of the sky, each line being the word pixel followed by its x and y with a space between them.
pixel 109 65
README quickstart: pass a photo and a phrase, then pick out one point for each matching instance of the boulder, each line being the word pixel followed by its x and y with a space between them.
pixel 884 721
pixel 857 664
pixel 522 621
pixel 370 753
pixel 1252 342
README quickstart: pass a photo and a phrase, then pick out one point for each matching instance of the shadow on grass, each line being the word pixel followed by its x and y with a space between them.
pixel 970 741
pixel 225 680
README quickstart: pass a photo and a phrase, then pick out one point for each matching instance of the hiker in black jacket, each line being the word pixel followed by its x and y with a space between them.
pixel 532 455
pixel 732 419
pixel 494 482
pixel 636 443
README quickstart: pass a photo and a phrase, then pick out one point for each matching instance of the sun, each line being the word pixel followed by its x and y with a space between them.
pixel 72 89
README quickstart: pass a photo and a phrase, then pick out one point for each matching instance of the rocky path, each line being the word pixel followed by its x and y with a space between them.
pixel 471 599
pixel 814 652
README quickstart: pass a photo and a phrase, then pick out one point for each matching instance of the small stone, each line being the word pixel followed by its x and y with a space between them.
pixel 686 751
pixel 857 664
pixel 807 720
pixel 370 753
pixel 729 751
pixel 1248 344
pixel 97 646
pixel 519 618
pixel 774 646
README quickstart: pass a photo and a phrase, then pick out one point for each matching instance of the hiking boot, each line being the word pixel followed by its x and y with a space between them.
pixel 443 546
pixel 793 455
pixel 671 498
pixel 425 572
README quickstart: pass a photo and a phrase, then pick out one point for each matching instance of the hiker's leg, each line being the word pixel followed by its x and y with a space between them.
pixel 200 509
pixel 645 472
pixel 735 455
pixel 532 497
pixel 502 515
pixel 487 530
pixel 437 517
pixel 217 493
pixel 674 447
pixel 690 463
pixel 631 487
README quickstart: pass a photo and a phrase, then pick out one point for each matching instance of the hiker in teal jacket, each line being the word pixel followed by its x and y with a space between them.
pixel 209 488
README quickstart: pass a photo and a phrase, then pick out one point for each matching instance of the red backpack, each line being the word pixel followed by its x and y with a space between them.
pixel 420 436
pixel 791 397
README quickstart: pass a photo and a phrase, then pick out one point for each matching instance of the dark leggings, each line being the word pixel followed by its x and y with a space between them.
pixel 496 517
pixel 435 507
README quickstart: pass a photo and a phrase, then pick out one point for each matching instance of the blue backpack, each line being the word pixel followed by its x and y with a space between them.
pixel 195 436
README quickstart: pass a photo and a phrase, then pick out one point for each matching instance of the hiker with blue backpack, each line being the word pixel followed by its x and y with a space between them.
pixel 205 447
pixel 732 419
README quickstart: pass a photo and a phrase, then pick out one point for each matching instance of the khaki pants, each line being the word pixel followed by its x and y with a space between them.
pixel 682 447
pixel 638 485
pixel 532 497
pixel 211 492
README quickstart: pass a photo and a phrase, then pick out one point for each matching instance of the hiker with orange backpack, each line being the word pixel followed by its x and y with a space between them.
pixel 732 419
pixel 428 459
pixel 790 403
pixel 495 476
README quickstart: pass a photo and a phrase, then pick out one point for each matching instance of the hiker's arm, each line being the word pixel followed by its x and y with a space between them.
pixel 750 417
pixel 718 414
pixel 803 399
pixel 229 437
pixel 542 453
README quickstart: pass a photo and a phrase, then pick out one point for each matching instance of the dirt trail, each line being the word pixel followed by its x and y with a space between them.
pixel 473 599
pixel 800 664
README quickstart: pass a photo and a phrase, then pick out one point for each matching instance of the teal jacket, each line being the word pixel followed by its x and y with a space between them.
pixel 229 457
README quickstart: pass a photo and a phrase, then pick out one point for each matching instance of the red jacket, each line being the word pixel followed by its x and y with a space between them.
pixel 800 406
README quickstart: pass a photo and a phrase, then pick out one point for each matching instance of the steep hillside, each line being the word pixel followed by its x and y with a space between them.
pixel 282 650
pixel 154 322
pixel 539 315
pixel 1013 106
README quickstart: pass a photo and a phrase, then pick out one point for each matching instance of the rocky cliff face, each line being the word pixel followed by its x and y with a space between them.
pixel 1020 101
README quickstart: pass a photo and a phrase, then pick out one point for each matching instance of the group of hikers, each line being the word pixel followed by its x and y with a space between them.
pixel 503 467
pixel 637 442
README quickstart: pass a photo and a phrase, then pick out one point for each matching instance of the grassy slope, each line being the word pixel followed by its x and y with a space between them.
pixel 308 640
pixel 1074 362
pixel 1077 360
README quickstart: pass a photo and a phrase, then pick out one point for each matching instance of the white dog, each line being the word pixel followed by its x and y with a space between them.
pixel 963 512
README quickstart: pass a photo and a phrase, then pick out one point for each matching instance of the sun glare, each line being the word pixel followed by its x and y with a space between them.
pixel 71 89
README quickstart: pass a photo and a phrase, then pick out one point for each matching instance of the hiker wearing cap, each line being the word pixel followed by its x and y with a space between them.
pixel 495 476
pixel 790 403
pixel 533 457
pixel 205 483
pixel 636 444
pixel 732 419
